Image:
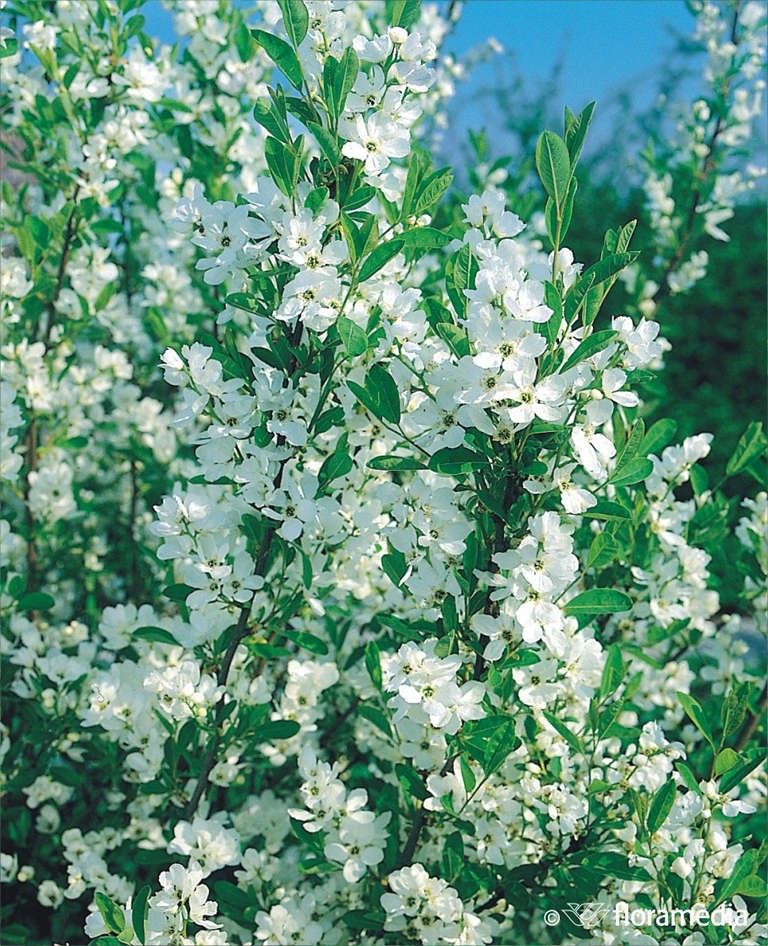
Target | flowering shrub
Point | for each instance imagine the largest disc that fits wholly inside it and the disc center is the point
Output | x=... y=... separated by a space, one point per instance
x=388 y=615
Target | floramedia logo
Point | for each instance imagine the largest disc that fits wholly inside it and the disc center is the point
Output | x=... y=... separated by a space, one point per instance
x=586 y=914
x=590 y=915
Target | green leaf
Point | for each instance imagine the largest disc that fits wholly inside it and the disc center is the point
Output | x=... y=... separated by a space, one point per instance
x=373 y=663
x=632 y=445
x=394 y=566
x=158 y=634
x=726 y=760
x=609 y=266
x=375 y=716
x=316 y=198
x=409 y=778
x=659 y=435
x=570 y=199
x=178 y=592
x=382 y=385
x=464 y=269
x=576 y=131
x=467 y=775
x=10 y=49
x=455 y=460
x=605 y=509
x=379 y=258
x=743 y=868
x=455 y=337
x=233 y=897
x=277 y=729
x=35 y=601
x=282 y=55
x=555 y=303
x=392 y=462
x=603 y=549
x=139 y=912
x=478 y=736
x=281 y=163
x=599 y=601
x=404 y=12
x=364 y=919
x=452 y=861
x=353 y=338
x=367 y=398
x=696 y=714
x=688 y=777
x=307 y=641
x=591 y=345
x=432 y=190
x=575 y=296
x=267 y=115
x=243 y=42
x=338 y=79
x=613 y=671
x=570 y=737
x=633 y=472
x=699 y=479
x=349 y=66
x=113 y=916
x=752 y=886
x=661 y=806
x=295 y=18
x=618 y=242
x=554 y=166
x=338 y=464
x=733 y=709
x=736 y=775
x=499 y=745
x=418 y=165
x=359 y=197
x=753 y=444
x=425 y=238
x=269 y=651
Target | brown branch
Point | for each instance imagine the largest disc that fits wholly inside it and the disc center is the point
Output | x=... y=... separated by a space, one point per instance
x=209 y=760
x=134 y=553
x=31 y=445
x=241 y=631
x=413 y=838
x=69 y=234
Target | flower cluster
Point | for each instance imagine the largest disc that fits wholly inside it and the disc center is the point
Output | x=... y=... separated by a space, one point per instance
x=427 y=910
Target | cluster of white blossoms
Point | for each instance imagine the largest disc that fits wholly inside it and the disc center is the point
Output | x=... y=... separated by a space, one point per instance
x=353 y=835
x=752 y=532
x=428 y=703
x=181 y=899
x=427 y=910
x=688 y=182
x=338 y=558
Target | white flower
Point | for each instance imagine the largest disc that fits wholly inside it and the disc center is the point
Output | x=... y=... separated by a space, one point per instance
x=376 y=140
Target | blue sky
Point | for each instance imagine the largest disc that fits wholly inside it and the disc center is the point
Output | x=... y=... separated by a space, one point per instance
x=607 y=42
x=604 y=46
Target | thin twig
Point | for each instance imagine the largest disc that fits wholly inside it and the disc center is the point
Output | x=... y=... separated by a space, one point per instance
x=69 y=234
x=706 y=169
